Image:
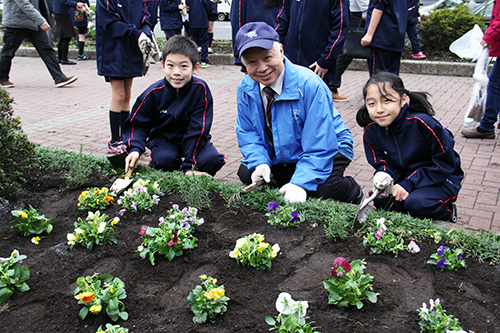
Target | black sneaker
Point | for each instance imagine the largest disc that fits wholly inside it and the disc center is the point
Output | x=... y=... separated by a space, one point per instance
x=359 y=198
x=453 y=217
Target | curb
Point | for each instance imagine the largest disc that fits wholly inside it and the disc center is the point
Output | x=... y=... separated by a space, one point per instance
x=425 y=67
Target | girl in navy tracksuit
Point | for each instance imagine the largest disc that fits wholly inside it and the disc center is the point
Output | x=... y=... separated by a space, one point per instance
x=314 y=33
x=80 y=22
x=386 y=28
x=198 y=25
x=244 y=11
x=403 y=142
x=119 y=25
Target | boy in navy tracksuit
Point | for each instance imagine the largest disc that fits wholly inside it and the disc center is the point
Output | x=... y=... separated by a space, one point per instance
x=386 y=28
x=198 y=25
x=314 y=33
x=173 y=116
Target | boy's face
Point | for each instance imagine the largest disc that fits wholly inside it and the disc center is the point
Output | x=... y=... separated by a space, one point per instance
x=264 y=66
x=178 y=69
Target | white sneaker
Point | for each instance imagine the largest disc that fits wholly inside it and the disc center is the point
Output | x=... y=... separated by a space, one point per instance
x=210 y=51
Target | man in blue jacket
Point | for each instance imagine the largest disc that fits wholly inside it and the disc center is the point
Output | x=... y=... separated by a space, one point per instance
x=313 y=34
x=287 y=125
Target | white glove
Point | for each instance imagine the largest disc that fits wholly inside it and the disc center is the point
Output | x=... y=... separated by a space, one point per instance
x=261 y=171
x=383 y=181
x=293 y=193
x=142 y=41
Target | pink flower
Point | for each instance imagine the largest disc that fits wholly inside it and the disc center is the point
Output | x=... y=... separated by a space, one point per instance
x=340 y=266
x=174 y=240
x=413 y=247
x=379 y=233
x=143 y=230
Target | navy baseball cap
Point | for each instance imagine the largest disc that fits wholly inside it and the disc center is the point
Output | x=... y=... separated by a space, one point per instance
x=255 y=34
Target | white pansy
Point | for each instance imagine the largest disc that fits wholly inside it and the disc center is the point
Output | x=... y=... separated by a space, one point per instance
x=101 y=227
x=240 y=242
x=78 y=231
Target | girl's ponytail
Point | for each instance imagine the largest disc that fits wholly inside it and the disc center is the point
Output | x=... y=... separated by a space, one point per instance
x=362 y=117
x=419 y=103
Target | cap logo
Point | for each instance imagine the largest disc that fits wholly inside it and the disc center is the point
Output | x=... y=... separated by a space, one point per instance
x=251 y=34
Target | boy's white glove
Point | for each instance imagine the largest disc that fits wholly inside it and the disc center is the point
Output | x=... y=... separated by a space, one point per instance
x=383 y=181
x=261 y=171
x=293 y=193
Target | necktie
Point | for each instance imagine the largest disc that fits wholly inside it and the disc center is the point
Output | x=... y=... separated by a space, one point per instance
x=267 y=112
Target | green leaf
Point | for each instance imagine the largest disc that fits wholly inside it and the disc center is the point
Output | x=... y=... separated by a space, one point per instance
x=5 y=294
x=270 y=321
x=372 y=297
x=123 y=315
x=23 y=287
x=83 y=312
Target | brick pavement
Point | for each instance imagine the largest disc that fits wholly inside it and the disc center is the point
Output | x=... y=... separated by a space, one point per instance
x=76 y=116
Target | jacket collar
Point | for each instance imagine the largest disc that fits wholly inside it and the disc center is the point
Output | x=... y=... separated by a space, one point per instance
x=398 y=124
x=183 y=90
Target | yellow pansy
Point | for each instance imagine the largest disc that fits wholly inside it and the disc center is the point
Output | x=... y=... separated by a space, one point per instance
x=115 y=221
x=85 y=297
x=240 y=242
x=262 y=247
x=22 y=214
x=214 y=294
x=235 y=253
x=35 y=240
x=95 y=309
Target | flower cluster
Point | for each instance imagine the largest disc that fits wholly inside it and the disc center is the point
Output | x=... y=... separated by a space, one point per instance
x=445 y=258
x=284 y=216
x=101 y=293
x=208 y=300
x=13 y=276
x=141 y=197
x=348 y=285
x=95 y=199
x=435 y=319
x=29 y=222
x=292 y=316
x=110 y=328
x=383 y=241
x=173 y=235
x=252 y=251
x=95 y=229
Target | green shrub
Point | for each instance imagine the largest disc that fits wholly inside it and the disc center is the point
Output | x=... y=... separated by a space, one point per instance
x=442 y=27
x=17 y=152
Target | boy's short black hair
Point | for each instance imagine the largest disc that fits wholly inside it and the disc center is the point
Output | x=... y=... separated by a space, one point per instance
x=179 y=44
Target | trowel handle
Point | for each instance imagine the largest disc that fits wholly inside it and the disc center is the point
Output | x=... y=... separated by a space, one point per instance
x=129 y=172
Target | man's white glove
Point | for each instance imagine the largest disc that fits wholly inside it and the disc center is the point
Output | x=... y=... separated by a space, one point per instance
x=261 y=171
x=293 y=193
x=383 y=181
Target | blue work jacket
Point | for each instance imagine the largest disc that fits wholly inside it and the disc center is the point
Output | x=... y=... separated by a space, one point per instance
x=180 y=116
x=307 y=129
x=119 y=23
x=416 y=150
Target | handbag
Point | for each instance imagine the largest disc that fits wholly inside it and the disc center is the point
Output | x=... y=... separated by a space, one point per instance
x=352 y=45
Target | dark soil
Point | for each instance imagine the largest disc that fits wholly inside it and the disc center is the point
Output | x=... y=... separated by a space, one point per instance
x=156 y=299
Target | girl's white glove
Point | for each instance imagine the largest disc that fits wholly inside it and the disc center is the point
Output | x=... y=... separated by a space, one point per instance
x=261 y=171
x=293 y=193
x=384 y=182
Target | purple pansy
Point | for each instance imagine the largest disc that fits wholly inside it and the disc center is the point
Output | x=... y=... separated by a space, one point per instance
x=441 y=262
x=143 y=230
x=272 y=205
x=295 y=217
x=441 y=250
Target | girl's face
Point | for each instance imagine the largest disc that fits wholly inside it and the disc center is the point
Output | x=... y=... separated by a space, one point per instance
x=384 y=106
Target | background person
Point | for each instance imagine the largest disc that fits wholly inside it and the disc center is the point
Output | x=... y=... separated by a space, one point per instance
x=170 y=17
x=287 y=125
x=80 y=21
x=63 y=11
x=411 y=29
x=121 y=26
x=28 y=19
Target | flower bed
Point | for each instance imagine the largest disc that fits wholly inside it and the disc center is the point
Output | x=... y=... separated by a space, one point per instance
x=157 y=295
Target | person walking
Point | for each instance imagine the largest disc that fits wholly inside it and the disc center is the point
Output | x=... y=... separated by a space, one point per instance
x=64 y=27
x=80 y=21
x=491 y=39
x=28 y=19
x=411 y=29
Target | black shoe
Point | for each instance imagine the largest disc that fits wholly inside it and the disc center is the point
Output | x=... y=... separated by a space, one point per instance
x=453 y=217
x=67 y=62
x=359 y=198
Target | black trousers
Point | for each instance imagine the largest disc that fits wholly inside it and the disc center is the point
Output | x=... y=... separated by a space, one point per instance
x=336 y=187
x=13 y=38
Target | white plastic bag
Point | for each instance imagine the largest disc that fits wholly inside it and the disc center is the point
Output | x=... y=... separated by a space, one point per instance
x=469 y=45
x=475 y=110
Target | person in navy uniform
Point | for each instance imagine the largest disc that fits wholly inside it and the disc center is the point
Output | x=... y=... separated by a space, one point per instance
x=173 y=117
x=409 y=148
x=170 y=17
x=385 y=33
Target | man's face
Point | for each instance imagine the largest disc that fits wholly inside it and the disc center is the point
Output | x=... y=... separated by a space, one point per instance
x=178 y=69
x=264 y=66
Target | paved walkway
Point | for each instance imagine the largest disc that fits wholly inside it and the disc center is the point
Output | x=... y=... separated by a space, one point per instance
x=77 y=116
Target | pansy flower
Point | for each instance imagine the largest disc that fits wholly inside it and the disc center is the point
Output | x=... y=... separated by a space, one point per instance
x=441 y=263
x=272 y=205
x=174 y=240
x=441 y=250
x=295 y=217
x=340 y=265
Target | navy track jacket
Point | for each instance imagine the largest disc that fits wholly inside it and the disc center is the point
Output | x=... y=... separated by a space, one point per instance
x=314 y=31
x=180 y=116
x=198 y=13
x=416 y=150
x=391 y=30
x=170 y=15
x=119 y=24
